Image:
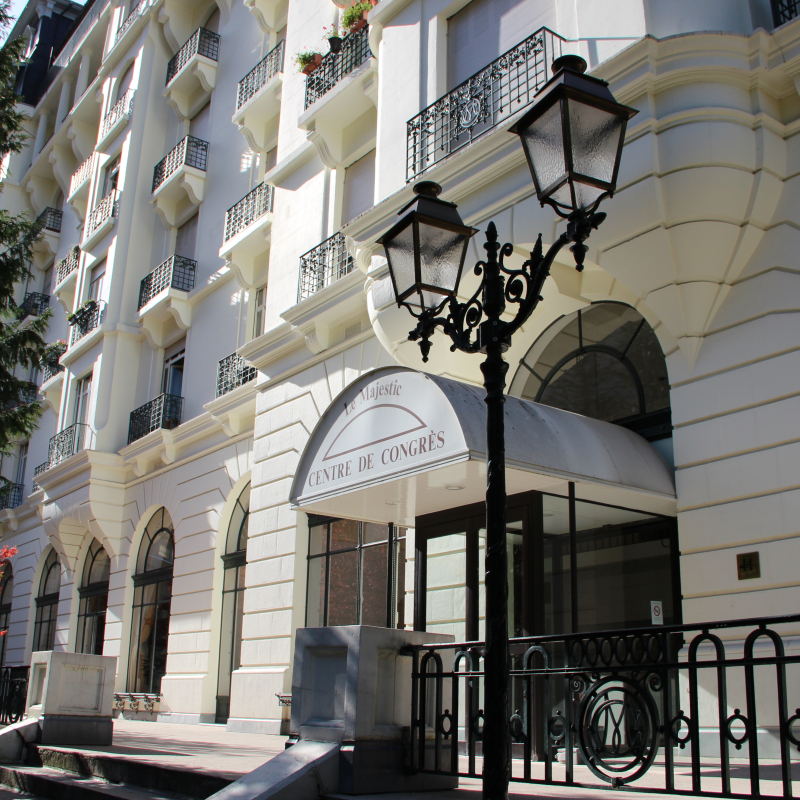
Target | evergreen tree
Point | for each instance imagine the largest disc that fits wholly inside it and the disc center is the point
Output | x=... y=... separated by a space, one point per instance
x=21 y=347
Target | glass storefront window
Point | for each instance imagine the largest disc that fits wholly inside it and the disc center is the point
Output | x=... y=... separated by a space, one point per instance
x=44 y=630
x=93 y=594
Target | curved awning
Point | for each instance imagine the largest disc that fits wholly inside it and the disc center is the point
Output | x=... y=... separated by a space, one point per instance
x=398 y=443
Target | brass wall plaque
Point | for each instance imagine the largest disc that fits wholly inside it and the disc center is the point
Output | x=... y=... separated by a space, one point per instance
x=748 y=566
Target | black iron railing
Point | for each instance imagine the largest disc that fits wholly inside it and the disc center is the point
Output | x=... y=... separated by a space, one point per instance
x=784 y=11
x=35 y=303
x=11 y=495
x=129 y=20
x=13 y=693
x=201 y=42
x=86 y=319
x=27 y=395
x=252 y=206
x=176 y=272
x=36 y=473
x=499 y=90
x=189 y=151
x=81 y=174
x=50 y=370
x=123 y=106
x=68 y=265
x=324 y=265
x=270 y=65
x=355 y=51
x=106 y=208
x=74 y=439
x=50 y=220
x=163 y=412
x=675 y=702
x=232 y=373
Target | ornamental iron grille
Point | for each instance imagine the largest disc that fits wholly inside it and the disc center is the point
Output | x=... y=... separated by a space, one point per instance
x=189 y=151
x=334 y=66
x=176 y=272
x=13 y=694
x=36 y=473
x=678 y=702
x=324 y=265
x=483 y=101
x=784 y=11
x=129 y=20
x=71 y=440
x=11 y=495
x=250 y=208
x=50 y=371
x=268 y=67
x=106 y=208
x=27 y=394
x=49 y=220
x=86 y=319
x=81 y=174
x=202 y=43
x=232 y=373
x=123 y=106
x=34 y=304
x=163 y=412
x=68 y=265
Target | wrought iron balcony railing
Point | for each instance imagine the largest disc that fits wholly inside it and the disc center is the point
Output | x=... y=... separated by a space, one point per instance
x=36 y=473
x=232 y=373
x=85 y=320
x=129 y=20
x=324 y=265
x=252 y=206
x=499 y=90
x=123 y=106
x=163 y=412
x=69 y=442
x=50 y=370
x=334 y=67
x=784 y=11
x=13 y=693
x=50 y=220
x=68 y=265
x=34 y=304
x=270 y=65
x=81 y=32
x=202 y=42
x=176 y=272
x=189 y=151
x=81 y=174
x=11 y=495
x=107 y=207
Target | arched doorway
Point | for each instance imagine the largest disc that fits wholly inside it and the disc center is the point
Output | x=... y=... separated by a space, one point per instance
x=93 y=593
x=44 y=629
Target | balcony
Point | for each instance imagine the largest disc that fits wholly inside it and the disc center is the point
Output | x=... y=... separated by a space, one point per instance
x=163 y=412
x=334 y=67
x=116 y=120
x=100 y=221
x=323 y=266
x=49 y=223
x=52 y=383
x=34 y=304
x=247 y=230
x=785 y=11
x=192 y=73
x=128 y=23
x=232 y=373
x=11 y=495
x=79 y=186
x=481 y=103
x=69 y=442
x=181 y=174
x=66 y=273
x=50 y=220
x=36 y=473
x=50 y=371
x=164 y=308
x=176 y=272
x=258 y=99
x=85 y=320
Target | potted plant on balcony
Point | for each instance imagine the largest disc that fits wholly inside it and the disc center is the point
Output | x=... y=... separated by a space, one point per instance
x=334 y=39
x=54 y=352
x=355 y=16
x=308 y=61
x=82 y=315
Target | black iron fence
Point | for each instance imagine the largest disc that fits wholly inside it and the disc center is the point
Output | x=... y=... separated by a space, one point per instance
x=189 y=151
x=35 y=303
x=233 y=372
x=85 y=320
x=81 y=174
x=708 y=709
x=13 y=693
x=11 y=495
x=334 y=66
x=163 y=412
x=68 y=265
x=324 y=265
x=72 y=440
x=483 y=101
x=129 y=20
x=36 y=473
x=784 y=11
x=202 y=42
x=107 y=207
x=123 y=106
x=176 y=272
x=269 y=66
x=50 y=220
x=252 y=206
x=51 y=370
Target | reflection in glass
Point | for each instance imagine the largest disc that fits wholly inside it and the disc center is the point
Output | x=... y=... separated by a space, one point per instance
x=44 y=629
x=93 y=605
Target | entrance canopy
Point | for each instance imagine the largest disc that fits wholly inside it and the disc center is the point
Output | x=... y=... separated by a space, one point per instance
x=397 y=444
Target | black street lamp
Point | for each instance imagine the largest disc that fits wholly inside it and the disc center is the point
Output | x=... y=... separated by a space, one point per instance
x=572 y=139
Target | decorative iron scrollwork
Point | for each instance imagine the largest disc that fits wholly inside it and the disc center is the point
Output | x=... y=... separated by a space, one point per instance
x=795 y=718
x=737 y=741
x=679 y=720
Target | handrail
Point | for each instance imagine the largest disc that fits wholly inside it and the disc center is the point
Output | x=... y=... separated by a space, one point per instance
x=177 y=272
x=233 y=372
x=202 y=42
x=269 y=66
x=68 y=264
x=335 y=66
x=189 y=151
x=129 y=20
x=123 y=106
x=251 y=207
x=324 y=265
x=163 y=411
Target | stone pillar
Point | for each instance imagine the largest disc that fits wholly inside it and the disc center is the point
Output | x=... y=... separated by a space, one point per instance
x=83 y=74
x=64 y=102
x=41 y=133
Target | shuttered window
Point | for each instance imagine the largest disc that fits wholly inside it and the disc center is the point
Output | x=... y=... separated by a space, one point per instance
x=186 y=240
x=359 y=187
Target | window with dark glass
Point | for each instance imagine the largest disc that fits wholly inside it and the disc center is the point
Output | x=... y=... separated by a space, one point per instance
x=230 y=641
x=152 y=594
x=6 y=595
x=93 y=594
x=356 y=574
x=44 y=629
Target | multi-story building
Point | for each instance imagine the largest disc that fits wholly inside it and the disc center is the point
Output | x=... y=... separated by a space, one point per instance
x=195 y=492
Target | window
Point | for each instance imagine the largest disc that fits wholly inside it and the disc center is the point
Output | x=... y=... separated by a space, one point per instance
x=152 y=595
x=96 y=281
x=44 y=629
x=93 y=594
x=125 y=82
x=6 y=595
x=359 y=187
x=261 y=305
x=111 y=177
x=356 y=574
x=199 y=125
x=22 y=463
x=172 y=381
x=83 y=395
x=47 y=281
x=186 y=240
x=230 y=641
x=271 y=159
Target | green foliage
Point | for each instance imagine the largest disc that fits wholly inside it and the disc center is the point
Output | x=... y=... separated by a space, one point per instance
x=305 y=58
x=353 y=14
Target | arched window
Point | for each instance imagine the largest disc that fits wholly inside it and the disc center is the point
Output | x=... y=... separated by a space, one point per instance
x=125 y=82
x=152 y=593
x=604 y=362
x=93 y=592
x=230 y=640
x=6 y=593
x=44 y=630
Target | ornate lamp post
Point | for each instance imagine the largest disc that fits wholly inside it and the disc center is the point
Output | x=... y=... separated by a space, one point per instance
x=572 y=139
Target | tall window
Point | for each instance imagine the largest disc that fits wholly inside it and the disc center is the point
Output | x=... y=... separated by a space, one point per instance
x=230 y=641
x=44 y=630
x=6 y=594
x=93 y=592
x=356 y=574
x=111 y=177
x=96 y=281
x=22 y=462
x=261 y=305
x=152 y=593
x=172 y=381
